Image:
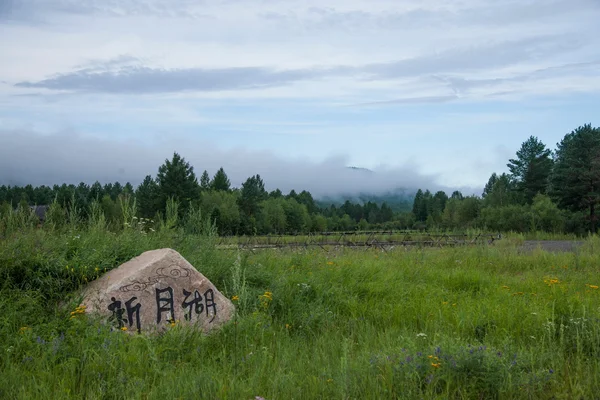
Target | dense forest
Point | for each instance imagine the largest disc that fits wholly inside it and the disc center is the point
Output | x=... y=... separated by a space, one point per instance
x=548 y=190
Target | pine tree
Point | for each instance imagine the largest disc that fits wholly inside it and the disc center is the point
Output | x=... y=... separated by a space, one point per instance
x=147 y=197
x=204 y=181
x=576 y=177
x=252 y=194
x=531 y=169
x=489 y=185
x=176 y=179
x=419 y=207
x=220 y=181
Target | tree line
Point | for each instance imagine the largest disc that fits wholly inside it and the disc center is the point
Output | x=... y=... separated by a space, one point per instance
x=544 y=190
x=249 y=209
x=551 y=190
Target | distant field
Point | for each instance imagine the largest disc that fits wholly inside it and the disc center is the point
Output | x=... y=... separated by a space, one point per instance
x=468 y=322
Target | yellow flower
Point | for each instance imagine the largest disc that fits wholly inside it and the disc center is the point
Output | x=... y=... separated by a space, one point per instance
x=288 y=326
x=329 y=262
x=444 y=302
x=592 y=286
x=124 y=328
x=329 y=380
x=235 y=298
x=505 y=287
x=434 y=365
x=23 y=329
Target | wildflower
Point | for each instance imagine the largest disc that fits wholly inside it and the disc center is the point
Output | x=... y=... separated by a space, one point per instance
x=124 y=328
x=592 y=286
x=329 y=262
x=329 y=380
x=444 y=302
x=96 y=269
x=423 y=335
x=288 y=326
x=434 y=365
x=551 y=281
x=505 y=287
x=268 y=295
x=23 y=329
x=235 y=298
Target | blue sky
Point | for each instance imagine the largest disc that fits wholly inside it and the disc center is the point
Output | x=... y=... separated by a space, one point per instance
x=432 y=94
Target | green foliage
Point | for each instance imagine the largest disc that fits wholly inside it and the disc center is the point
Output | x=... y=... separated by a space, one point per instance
x=147 y=196
x=204 y=181
x=176 y=179
x=251 y=195
x=531 y=169
x=576 y=175
x=220 y=181
x=56 y=216
x=499 y=191
x=508 y=202
x=296 y=216
x=483 y=322
x=223 y=210
x=273 y=217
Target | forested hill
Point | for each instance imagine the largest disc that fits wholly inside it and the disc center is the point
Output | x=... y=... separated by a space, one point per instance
x=399 y=200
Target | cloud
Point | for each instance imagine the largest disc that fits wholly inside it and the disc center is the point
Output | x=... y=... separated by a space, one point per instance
x=27 y=157
x=127 y=79
x=150 y=80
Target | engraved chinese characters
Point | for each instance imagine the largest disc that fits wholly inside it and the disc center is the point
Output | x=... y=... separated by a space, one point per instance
x=155 y=290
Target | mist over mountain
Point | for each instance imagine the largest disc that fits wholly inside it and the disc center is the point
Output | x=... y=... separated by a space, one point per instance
x=29 y=157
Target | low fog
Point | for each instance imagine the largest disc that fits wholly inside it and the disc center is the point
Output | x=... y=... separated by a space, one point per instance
x=28 y=157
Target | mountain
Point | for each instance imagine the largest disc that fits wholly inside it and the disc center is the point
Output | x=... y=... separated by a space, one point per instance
x=399 y=200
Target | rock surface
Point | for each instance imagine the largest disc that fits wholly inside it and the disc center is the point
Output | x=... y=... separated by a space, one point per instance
x=155 y=291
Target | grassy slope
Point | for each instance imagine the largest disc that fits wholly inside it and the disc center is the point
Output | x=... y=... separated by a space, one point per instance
x=356 y=324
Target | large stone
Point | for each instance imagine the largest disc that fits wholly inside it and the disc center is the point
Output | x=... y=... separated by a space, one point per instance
x=155 y=291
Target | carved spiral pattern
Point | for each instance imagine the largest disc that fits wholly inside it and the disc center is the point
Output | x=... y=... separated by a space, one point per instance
x=172 y=271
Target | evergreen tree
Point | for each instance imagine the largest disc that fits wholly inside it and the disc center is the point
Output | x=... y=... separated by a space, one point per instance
x=306 y=198
x=220 y=181
x=531 y=169
x=252 y=193
x=204 y=181
x=276 y=194
x=176 y=179
x=501 y=192
x=457 y=195
x=96 y=192
x=147 y=197
x=128 y=189
x=489 y=185
x=420 y=206
x=576 y=176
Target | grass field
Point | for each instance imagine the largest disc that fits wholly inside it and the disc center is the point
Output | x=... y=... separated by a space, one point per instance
x=479 y=322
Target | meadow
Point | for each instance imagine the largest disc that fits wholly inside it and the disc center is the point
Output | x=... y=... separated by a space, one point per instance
x=479 y=322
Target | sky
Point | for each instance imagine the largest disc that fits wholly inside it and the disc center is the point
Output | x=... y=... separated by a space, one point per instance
x=436 y=94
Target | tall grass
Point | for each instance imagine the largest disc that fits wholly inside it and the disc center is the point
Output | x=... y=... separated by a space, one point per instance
x=480 y=322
